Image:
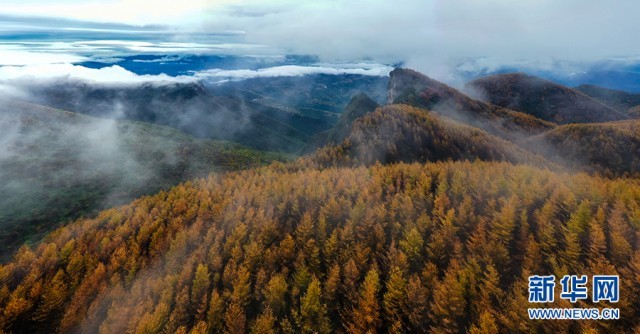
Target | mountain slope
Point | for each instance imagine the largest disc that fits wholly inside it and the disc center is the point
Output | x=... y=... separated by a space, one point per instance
x=446 y=247
x=359 y=105
x=57 y=165
x=313 y=95
x=541 y=98
x=609 y=148
x=413 y=88
x=397 y=133
x=190 y=108
x=616 y=99
x=634 y=112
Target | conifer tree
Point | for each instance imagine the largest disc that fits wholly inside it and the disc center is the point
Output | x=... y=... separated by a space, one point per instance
x=313 y=312
x=365 y=316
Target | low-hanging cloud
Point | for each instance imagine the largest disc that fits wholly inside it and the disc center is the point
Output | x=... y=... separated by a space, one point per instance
x=293 y=71
x=116 y=75
x=20 y=58
x=437 y=37
x=33 y=74
x=434 y=36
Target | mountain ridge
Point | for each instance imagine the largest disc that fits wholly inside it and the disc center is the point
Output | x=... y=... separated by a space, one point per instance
x=414 y=88
x=542 y=98
x=402 y=133
x=617 y=99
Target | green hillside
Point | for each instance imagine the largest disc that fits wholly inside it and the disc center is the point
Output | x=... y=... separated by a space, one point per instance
x=56 y=166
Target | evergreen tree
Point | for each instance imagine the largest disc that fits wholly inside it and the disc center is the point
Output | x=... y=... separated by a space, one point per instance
x=313 y=313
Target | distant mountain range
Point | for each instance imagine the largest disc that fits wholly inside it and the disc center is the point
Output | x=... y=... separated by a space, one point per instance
x=278 y=114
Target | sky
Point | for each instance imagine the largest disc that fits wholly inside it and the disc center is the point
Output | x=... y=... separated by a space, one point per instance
x=433 y=36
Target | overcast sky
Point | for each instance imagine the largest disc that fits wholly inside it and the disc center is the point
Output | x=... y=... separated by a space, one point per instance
x=425 y=34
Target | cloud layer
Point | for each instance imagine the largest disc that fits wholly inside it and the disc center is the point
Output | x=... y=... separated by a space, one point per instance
x=31 y=74
x=138 y=12
x=116 y=75
x=435 y=35
x=293 y=71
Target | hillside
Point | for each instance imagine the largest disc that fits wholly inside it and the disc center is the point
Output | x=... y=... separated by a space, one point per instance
x=413 y=88
x=541 y=98
x=616 y=99
x=57 y=165
x=396 y=133
x=444 y=247
x=359 y=105
x=634 y=112
x=609 y=148
x=190 y=108
x=313 y=95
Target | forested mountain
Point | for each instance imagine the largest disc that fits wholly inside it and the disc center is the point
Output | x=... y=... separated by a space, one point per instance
x=612 y=149
x=541 y=98
x=190 y=108
x=445 y=247
x=56 y=166
x=416 y=89
x=427 y=216
x=359 y=105
x=617 y=99
x=278 y=114
x=315 y=95
x=396 y=133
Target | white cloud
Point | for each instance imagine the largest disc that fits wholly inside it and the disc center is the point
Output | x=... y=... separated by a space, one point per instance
x=116 y=75
x=107 y=75
x=18 y=57
x=294 y=71
x=434 y=35
x=23 y=53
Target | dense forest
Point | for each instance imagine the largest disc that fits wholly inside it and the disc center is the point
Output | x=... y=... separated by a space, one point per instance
x=437 y=247
x=422 y=217
x=611 y=149
x=395 y=133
